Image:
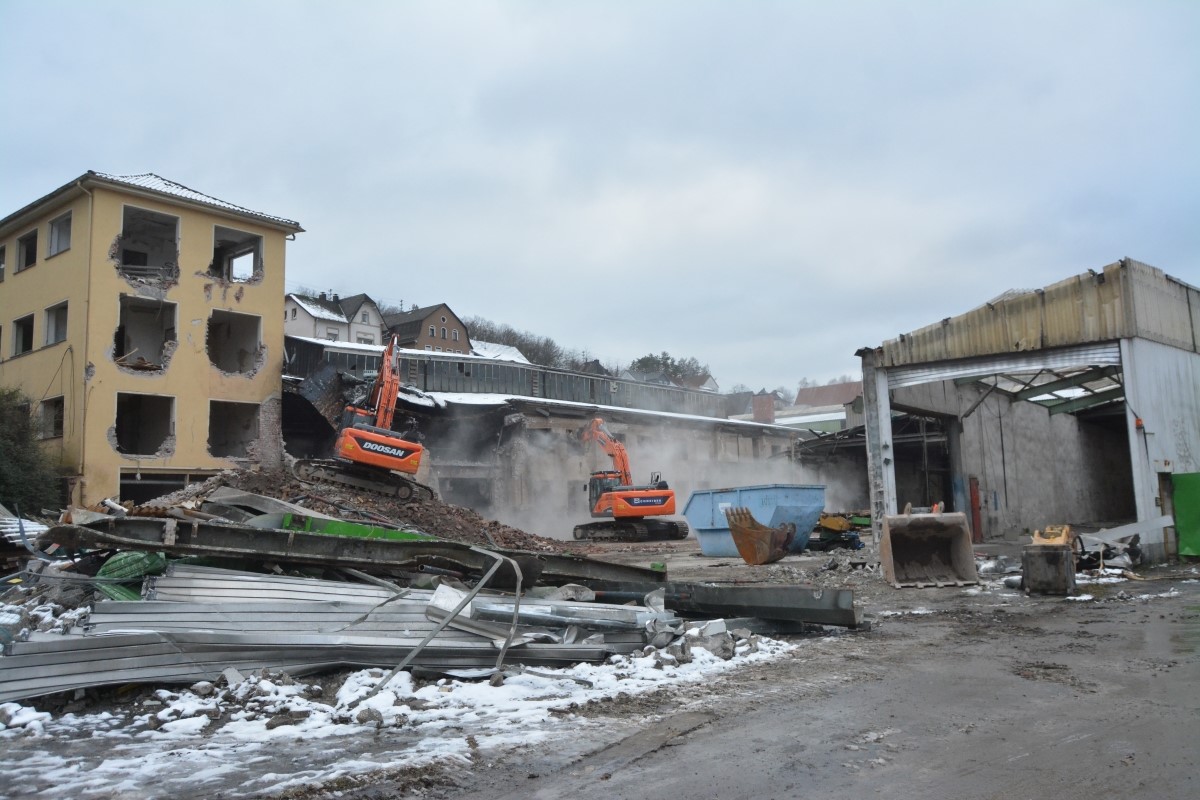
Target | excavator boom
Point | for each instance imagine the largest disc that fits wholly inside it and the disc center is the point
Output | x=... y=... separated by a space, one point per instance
x=630 y=513
x=368 y=454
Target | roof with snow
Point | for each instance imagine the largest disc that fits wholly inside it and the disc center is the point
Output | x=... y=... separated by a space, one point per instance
x=156 y=184
x=319 y=308
x=498 y=352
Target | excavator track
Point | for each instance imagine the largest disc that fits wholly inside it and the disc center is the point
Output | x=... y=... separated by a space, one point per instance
x=388 y=484
x=640 y=531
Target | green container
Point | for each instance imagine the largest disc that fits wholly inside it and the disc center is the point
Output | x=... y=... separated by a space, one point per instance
x=337 y=527
x=117 y=591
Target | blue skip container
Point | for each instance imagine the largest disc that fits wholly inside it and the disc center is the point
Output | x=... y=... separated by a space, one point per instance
x=771 y=504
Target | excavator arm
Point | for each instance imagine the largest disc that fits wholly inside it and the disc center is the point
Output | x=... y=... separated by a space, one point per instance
x=368 y=454
x=630 y=513
x=597 y=432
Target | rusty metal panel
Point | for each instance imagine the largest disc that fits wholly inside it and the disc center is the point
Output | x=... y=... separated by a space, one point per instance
x=1123 y=300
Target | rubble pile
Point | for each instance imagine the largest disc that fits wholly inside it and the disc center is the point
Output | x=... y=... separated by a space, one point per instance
x=443 y=520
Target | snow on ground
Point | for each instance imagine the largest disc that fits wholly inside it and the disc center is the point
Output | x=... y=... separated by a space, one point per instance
x=1100 y=576
x=269 y=733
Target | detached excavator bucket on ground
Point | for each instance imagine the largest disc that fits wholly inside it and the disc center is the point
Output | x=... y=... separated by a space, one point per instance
x=756 y=543
x=927 y=550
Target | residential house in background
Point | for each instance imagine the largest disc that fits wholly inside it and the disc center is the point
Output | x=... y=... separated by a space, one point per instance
x=434 y=328
x=354 y=319
x=142 y=319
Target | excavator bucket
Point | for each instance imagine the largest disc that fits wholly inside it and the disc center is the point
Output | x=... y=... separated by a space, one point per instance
x=756 y=543
x=926 y=550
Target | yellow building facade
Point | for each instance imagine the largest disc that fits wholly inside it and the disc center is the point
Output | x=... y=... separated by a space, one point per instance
x=144 y=322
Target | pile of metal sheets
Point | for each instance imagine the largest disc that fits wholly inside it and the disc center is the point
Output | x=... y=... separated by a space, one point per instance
x=203 y=621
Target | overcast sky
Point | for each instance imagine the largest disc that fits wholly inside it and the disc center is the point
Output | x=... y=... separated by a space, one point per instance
x=763 y=186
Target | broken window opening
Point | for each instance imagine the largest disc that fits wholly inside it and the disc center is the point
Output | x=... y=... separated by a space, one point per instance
x=232 y=429
x=144 y=423
x=27 y=251
x=142 y=487
x=237 y=256
x=22 y=335
x=53 y=410
x=148 y=247
x=56 y=324
x=145 y=335
x=234 y=341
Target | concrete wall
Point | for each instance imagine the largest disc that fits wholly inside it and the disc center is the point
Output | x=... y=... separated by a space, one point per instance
x=1162 y=386
x=539 y=480
x=1033 y=469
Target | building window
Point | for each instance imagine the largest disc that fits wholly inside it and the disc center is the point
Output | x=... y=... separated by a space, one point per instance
x=3 y=250
x=144 y=424
x=237 y=256
x=293 y=313
x=234 y=341
x=52 y=418
x=454 y=334
x=443 y=333
x=432 y=332
x=443 y=319
x=22 y=335
x=365 y=339
x=27 y=251
x=429 y=347
x=149 y=245
x=145 y=335
x=232 y=429
x=438 y=349
x=56 y=323
x=331 y=334
x=366 y=317
x=60 y=234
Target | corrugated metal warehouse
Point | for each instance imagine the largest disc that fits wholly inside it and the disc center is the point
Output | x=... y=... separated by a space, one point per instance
x=1077 y=403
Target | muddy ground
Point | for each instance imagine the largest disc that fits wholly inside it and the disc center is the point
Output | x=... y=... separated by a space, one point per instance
x=975 y=692
x=953 y=694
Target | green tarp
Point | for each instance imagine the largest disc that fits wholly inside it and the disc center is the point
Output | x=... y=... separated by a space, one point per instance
x=1186 y=490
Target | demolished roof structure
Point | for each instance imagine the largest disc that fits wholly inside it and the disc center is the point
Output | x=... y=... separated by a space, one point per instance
x=1079 y=401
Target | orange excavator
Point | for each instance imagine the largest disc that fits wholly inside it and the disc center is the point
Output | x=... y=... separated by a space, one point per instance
x=368 y=454
x=629 y=513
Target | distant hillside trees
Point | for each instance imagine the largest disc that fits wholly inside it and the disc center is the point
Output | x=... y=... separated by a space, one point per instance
x=664 y=362
x=539 y=349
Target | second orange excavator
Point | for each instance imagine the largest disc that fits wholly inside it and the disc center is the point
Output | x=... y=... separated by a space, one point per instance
x=629 y=513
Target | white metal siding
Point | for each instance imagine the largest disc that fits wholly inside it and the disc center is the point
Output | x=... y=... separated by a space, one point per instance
x=1091 y=355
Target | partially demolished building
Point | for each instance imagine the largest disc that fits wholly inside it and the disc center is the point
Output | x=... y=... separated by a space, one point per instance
x=134 y=308
x=1076 y=403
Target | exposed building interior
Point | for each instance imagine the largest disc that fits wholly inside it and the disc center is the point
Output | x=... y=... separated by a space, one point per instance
x=144 y=423
x=232 y=429
x=145 y=335
x=237 y=255
x=234 y=341
x=148 y=247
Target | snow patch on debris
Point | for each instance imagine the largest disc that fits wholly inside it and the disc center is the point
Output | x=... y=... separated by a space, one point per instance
x=1080 y=598
x=1100 y=576
x=268 y=733
x=919 y=611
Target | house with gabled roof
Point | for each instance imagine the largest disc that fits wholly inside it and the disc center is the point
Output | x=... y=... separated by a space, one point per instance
x=355 y=319
x=435 y=328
